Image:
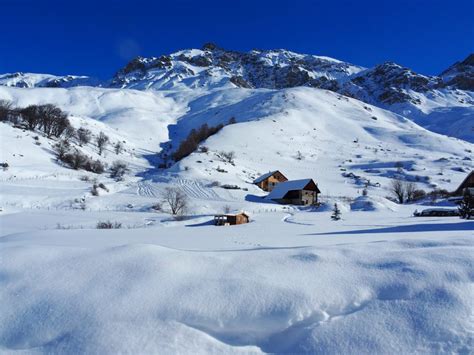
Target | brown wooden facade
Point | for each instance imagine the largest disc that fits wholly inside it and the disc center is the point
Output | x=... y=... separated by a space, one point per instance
x=268 y=181
x=296 y=192
x=231 y=219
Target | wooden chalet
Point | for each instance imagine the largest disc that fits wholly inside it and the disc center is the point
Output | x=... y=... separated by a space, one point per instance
x=295 y=192
x=269 y=180
x=467 y=183
x=231 y=219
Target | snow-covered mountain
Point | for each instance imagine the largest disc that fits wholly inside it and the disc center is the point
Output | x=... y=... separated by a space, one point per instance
x=29 y=80
x=442 y=103
x=291 y=281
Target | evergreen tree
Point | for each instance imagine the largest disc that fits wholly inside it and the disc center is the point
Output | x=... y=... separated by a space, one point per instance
x=336 y=213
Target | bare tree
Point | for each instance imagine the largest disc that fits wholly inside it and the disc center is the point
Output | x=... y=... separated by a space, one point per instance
x=61 y=149
x=118 y=170
x=410 y=190
x=227 y=157
x=83 y=135
x=118 y=148
x=31 y=117
x=102 y=140
x=6 y=108
x=398 y=189
x=176 y=200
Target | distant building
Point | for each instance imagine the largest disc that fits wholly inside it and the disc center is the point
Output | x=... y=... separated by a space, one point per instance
x=295 y=192
x=231 y=219
x=269 y=180
x=468 y=182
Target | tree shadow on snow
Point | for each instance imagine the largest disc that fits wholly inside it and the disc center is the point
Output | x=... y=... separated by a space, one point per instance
x=411 y=228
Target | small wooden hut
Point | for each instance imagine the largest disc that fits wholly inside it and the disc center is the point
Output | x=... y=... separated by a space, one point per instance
x=231 y=219
x=269 y=180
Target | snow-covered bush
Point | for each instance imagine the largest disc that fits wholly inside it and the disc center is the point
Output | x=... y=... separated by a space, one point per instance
x=118 y=170
x=83 y=135
x=227 y=157
x=108 y=225
x=101 y=140
x=61 y=149
x=118 y=148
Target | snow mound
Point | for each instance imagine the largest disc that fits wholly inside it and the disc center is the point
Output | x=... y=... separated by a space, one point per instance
x=372 y=203
x=383 y=297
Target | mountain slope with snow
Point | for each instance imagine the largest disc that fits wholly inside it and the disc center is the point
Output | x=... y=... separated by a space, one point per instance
x=428 y=100
x=30 y=80
x=292 y=280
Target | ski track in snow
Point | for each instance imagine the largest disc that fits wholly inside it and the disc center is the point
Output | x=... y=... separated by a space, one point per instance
x=191 y=188
x=197 y=190
x=147 y=189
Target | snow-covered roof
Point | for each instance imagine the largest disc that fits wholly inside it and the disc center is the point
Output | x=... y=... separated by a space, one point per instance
x=281 y=189
x=264 y=176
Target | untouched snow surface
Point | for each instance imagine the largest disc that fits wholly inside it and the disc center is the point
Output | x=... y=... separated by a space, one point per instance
x=294 y=282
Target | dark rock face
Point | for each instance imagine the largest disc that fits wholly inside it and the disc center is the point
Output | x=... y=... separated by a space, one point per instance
x=257 y=68
x=240 y=82
x=460 y=75
x=386 y=84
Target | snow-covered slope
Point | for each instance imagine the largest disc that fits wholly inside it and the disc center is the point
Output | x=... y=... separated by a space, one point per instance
x=443 y=104
x=343 y=143
x=29 y=80
x=428 y=100
x=292 y=280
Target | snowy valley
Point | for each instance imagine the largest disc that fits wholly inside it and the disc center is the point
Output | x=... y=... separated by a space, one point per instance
x=379 y=280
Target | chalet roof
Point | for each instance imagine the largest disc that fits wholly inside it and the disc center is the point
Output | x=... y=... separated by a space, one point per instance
x=264 y=176
x=461 y=186
x=233 y=214
x=281 y=189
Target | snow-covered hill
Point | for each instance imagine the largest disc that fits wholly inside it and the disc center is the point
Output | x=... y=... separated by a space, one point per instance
x=431 y=101
x=343 y=143
x=443 y=104
x=29 y=80
x=292 y=280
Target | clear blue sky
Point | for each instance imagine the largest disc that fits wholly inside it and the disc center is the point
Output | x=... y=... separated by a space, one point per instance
x=98 y=37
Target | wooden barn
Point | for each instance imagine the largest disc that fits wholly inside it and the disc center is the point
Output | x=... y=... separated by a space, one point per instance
x=269 y=180
x=295 y=192
x=231 y=219
x=468 y=182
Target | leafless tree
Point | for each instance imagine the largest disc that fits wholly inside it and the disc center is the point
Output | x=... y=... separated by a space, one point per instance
x=398 y=189
x=176 y=200
x=118 y=170
x=410 y=189
x=118 y=148
x=61 y=149
x=83 y=135
x=102 y=140
x=6 y=108
x=228 y=157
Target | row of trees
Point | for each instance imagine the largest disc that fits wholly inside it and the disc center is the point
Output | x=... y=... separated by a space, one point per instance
x=406 y=191
x=196 y=136
x=193 y=139
x=75 y=159
x=54 y=123
x=49 y=119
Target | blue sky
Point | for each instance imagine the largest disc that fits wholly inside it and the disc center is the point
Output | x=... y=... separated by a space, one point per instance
x=98 y=37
